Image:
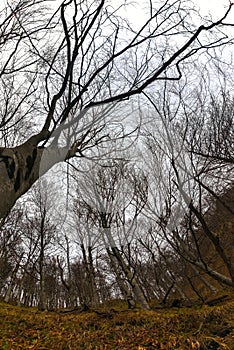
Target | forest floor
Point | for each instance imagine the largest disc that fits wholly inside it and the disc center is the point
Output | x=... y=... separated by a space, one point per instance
x=197 y=327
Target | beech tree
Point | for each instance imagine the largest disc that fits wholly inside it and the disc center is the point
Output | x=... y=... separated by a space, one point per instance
x=63 y=72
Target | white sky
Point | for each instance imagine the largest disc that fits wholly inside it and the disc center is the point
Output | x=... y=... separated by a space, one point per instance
x=214 y=7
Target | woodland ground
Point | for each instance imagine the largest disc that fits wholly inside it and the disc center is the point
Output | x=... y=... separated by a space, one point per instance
x=113 y=327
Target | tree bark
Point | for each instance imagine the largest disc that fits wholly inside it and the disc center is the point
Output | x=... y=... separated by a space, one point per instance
x=90 y=272
x=93 y=285
x=126 y=292
x=140 y=297
x=11 y=284
x=20 y=168
x=42 y=294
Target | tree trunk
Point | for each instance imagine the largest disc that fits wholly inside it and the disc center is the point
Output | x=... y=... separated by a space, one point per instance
x=13 y=277
x=140 y=297
x=20 y=167
x=126 y=292
x=42 y=295
x=95 y=298
x=21 y=286
x=89 y=268
x=204 y=280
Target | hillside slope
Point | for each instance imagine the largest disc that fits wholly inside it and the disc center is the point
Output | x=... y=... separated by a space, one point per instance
x=175 y=328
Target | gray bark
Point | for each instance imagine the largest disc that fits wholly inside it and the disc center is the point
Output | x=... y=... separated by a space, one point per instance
x=126 y=292
x=20 y=168
x=130 y=277
x=11 y=284
x=90 y=271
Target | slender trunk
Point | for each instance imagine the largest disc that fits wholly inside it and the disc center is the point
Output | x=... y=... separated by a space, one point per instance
x=185 y=253
x=90 y=273
x=42 y=295
x=126 y=292
x=68 y=262
x=12 y=281
x=216 y=275
x=140 y=297
x=204 y=280
x=167 y=293
x=208 y=233
x=87 y=293
x=95 y=299
x=67 y=283
x=21 y=285
x=195 y=289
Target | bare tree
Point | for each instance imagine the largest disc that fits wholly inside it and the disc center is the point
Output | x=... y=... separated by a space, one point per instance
x=112 y=196
x=41 y=216
x=61 y=70
x=193 y=183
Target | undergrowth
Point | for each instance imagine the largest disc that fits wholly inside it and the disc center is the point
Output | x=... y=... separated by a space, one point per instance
x=206 y=328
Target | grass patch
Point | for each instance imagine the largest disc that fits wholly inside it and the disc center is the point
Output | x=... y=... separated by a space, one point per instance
x=207 y=328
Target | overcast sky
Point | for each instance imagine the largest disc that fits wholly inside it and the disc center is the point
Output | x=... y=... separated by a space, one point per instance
x=215 y=7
